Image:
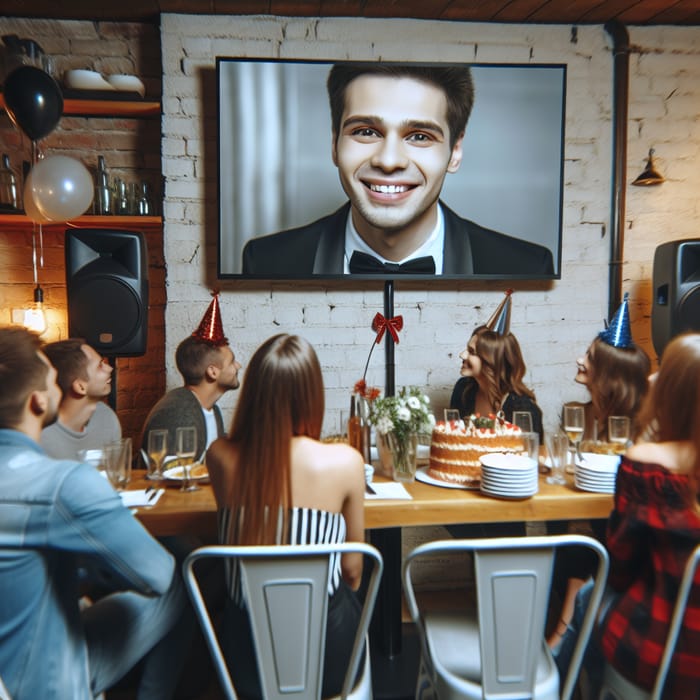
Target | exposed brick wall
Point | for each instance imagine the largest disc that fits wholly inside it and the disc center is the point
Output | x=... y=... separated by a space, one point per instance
x=131 y=148
x=554 y=322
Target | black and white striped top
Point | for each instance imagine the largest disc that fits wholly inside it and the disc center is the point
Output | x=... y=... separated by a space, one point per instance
x=305 y=526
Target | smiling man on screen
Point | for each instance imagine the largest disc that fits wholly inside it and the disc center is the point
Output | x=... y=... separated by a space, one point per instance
x=397 y=133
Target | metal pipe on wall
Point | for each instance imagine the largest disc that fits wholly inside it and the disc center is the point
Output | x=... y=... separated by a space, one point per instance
x=621 y=49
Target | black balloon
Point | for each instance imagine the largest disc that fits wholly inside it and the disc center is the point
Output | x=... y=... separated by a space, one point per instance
x=33 y=101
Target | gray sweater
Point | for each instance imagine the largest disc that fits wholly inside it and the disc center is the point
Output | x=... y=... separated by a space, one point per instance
x=180 y=408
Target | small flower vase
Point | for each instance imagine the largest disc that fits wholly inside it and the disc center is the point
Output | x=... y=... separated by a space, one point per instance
x=359 y=427
x=403 y=455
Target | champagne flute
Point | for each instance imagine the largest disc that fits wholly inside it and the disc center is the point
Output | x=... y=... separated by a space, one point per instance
x=186 y=449
x=157 y=449
x=574 y=420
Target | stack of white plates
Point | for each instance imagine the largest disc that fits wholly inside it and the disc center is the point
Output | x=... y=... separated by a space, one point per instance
x=596 y=472
x=508 y=476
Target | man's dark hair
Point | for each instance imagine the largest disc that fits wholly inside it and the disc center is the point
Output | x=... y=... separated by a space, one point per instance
x=70 y=361
x=192 y=358
x=454 y=81
x=22 y=371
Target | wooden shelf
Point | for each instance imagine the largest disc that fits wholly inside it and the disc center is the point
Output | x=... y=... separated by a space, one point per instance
x=106 y=108
x=20 y=221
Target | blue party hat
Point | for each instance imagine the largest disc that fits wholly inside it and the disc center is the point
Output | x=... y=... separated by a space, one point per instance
x=500 y=320
x=618 y=332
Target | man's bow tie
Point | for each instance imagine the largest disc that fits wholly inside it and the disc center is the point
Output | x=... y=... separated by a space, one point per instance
x=362 y=263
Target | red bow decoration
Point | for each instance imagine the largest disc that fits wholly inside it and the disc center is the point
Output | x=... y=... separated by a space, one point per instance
x=380 y=325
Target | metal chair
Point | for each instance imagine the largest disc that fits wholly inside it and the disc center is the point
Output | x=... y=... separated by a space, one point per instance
x=286 y=591
x=500 y=652
x=615 y=685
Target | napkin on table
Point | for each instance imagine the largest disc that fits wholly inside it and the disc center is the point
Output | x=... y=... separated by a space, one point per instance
x=390 y=489
x=139 y=497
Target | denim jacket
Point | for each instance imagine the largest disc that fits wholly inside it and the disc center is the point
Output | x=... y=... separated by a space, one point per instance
x=51 y=513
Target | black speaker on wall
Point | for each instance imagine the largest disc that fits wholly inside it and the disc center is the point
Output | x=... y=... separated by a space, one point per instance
x=107 y=287
x=676 y=289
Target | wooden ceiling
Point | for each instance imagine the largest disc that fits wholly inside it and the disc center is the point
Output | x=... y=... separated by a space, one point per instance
x=628 y=12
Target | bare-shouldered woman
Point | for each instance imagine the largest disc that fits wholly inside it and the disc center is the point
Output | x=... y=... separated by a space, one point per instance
x=276 y=483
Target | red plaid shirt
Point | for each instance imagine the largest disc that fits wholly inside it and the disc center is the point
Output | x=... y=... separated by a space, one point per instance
x=651 y=533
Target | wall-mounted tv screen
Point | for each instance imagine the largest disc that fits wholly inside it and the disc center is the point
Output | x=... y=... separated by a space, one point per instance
x=410 y=170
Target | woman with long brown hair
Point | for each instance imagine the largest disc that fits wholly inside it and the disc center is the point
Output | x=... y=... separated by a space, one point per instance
x=276 y=483
x=617 y=380
x=653 y=528
x=492 y=372
x=615 y=370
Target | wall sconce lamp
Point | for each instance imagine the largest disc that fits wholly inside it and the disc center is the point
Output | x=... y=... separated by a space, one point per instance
x=32 y=317
x=651 y=175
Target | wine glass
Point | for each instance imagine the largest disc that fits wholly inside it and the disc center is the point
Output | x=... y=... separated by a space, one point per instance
x=186 y=449
x=574 y=420
x=523 y=419
x=619 y=431
x=157 y=449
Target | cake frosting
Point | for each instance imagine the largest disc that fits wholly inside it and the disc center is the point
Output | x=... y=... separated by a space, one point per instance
x=456 y=446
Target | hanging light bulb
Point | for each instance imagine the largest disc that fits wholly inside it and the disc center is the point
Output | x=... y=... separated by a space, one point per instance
x=34 y=317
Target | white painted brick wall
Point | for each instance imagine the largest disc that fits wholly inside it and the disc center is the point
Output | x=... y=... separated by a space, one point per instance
x=553 y=322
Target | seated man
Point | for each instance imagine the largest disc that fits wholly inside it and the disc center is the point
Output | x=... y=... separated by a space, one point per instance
x=51 y=512
x=85 y=421
x=210 y=369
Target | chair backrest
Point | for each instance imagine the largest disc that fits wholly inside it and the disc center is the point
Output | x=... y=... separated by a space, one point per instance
x=286 y=591
x=684 y=589
x=513 y=581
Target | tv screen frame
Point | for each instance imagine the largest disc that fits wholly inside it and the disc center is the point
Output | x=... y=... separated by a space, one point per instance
x=275 y=169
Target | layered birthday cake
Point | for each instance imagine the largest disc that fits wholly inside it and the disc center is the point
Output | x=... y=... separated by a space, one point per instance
x=456 y=447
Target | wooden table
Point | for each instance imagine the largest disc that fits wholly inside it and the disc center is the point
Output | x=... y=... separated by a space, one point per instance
x=195 y=512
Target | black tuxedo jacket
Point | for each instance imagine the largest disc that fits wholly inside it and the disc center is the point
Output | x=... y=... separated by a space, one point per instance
x=319 y=247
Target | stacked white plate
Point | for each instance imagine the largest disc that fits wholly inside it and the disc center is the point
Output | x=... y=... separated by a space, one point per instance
x=596 y=472
x=508 y=476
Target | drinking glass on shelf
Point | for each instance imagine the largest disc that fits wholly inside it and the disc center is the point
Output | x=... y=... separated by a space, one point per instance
x=186 y=449
x=452 y=415
x=523 y=419
x=157 y=449
x=619 y=430
x=574 y=421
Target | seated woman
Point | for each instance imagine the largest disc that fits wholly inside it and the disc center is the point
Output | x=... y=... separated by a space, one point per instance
x=652 y=530
x=273 y=464
x=615 y=371
x=492 y=380
x=492 y=372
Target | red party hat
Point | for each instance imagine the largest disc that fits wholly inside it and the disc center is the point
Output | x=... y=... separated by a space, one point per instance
x=210 y=329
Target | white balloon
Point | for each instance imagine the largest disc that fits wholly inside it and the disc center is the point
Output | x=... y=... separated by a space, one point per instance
x=30 y=207
x=61 y=187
